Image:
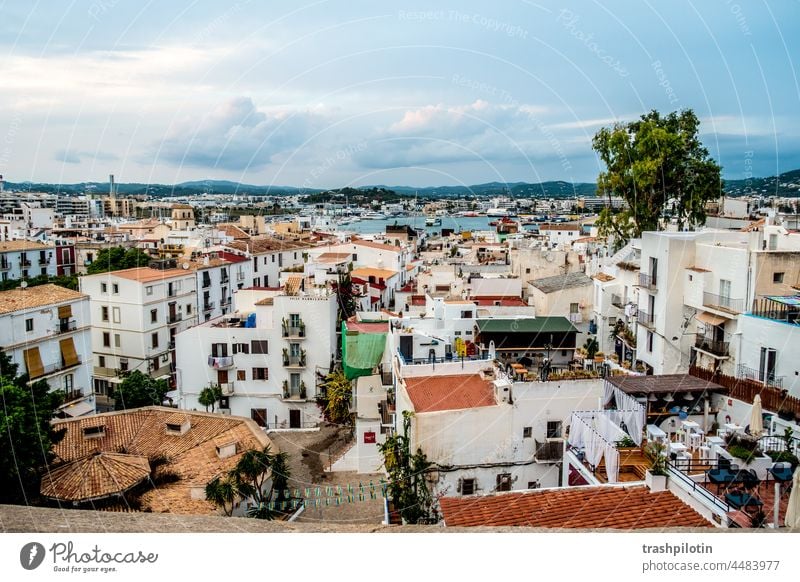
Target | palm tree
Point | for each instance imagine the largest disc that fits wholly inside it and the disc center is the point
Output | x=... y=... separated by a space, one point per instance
x=222 y=493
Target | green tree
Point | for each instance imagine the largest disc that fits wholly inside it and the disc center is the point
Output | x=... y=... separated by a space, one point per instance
x=347 y=297
x=221 y=491
x=137 y=390
x=116 y=258
x=650 y=162
x=408 y=488
x=26 y=434
x=209 y=396
x=335 y=398
x=591 y=346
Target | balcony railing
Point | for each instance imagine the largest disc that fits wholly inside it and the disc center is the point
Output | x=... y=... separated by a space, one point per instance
x=224 y=279
x=54 y=368
x=294 y=330
x=646 y=319
x=220 y=362
x=616 y=301
x=25 y=262
x=294 y=361
x=66 y=327
x=206 y=283
x=174 y=317
x=776 y=310
x=723 y=303
x=208 y=306
x=71 y=395
x=43 y=262
x=745 y=373
x=227 y=388
x=712 y=346
x=550 y=451
x=225 y=302
x=647 y=281
x=576 y=318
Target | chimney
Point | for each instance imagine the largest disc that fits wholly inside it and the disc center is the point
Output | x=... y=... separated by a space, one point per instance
x=111 y=187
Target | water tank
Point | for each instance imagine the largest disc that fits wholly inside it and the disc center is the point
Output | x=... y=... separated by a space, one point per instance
x=251 y=320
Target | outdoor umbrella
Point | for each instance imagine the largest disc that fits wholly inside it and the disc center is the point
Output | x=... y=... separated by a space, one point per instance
x=793 y=508
x=756 y=419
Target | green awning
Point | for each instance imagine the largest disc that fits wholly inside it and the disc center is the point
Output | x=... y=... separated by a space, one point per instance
x=535 y=325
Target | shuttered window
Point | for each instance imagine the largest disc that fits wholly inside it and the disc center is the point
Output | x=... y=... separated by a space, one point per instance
x=33 y=362
x=68 y=353
x=65 y=311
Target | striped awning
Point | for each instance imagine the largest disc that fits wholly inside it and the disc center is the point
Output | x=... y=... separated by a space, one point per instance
x=68 y=353
x=33 y=362
x=710 y=318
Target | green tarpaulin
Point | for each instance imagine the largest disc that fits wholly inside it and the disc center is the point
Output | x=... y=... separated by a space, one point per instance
x=361 y=352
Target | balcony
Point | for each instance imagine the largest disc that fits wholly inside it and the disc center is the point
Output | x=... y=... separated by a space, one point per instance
x=208 y=306
x=723 y=303
x=745 y=373
x=227 y=388
x=66 y=327
x=174 y=317
x=71 y=395
x=220 y=362
x=549 y=451
x=576 y=318
x=206 y=283
x=226 y=301
x=294 y=392
x=294 y=360
x=224 y=280
x=55 y=368
x=646 y=319
x=647 y=281
x=616 y=301
x=711 y=346
x=5 y=265
x=24 y=263
x=294 y=331
x=782 y=309
x=43 y=262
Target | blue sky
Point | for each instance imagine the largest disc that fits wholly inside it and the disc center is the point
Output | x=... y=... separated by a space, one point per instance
x=334 y=93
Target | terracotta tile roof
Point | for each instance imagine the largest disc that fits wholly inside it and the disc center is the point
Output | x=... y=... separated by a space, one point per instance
x=192 y=456
x=233 y=231
x=604 y=277
x=333 y=258
x=267 y=244
x=562 y=226
x=367 y=326
x=754 y=225
x=147 y=275
x=502 y=300
x=376 y=245
x=35 y=297
x=437 y=393
x=626 y=508
x=367 y=272
x=23 y=245
x=292 y=284
x=95 y=477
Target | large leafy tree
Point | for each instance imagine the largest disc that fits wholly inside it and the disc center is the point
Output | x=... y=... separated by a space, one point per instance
x=335 y=398
x=116 y=258
x=26 y=435
x=137 y=390
x=649 y=163
x=408 y=488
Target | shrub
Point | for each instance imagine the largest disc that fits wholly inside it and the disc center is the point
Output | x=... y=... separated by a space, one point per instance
x=784 y=457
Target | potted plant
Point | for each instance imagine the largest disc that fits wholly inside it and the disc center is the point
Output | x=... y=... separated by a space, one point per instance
x=285 y=357
x=591 y=347
x=286 y=388
x=599 y=356
x=656 y=476
x=302 y=357
x=303 y=389
x=625 y=442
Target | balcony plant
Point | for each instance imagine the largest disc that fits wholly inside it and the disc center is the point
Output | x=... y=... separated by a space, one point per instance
x=599 y=356
x=303 y=390
x=285 y=357
x=302 y=357
x=302 y=329
x=656 y=476
x=286 y=388
x=625 y=442
x=285 y=327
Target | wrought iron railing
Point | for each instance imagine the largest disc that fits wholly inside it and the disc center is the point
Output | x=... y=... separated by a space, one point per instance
x=723 y=303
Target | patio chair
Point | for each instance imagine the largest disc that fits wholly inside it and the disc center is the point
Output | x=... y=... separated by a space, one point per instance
x=719 y=477
x=781 y=473
x=742 y=500
x=748 y=479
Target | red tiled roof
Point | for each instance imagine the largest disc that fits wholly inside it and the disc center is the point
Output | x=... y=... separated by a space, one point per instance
x=437 y=393
x=626 y=508
x=231 y=257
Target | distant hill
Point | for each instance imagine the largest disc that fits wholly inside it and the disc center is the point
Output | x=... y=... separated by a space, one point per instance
x=786 y=184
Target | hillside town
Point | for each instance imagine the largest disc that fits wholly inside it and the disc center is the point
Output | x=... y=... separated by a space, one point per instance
x=443 y=362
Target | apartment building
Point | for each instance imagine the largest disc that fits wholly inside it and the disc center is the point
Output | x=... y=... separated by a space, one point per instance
x=24 y=259
x=568 y=295
x=219 y=275
x=269 y=256
x=266 y=357
x=46 y=332
x=136 y=314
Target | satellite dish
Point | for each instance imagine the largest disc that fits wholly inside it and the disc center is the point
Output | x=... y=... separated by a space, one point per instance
x=185 y=266
x=24 y=284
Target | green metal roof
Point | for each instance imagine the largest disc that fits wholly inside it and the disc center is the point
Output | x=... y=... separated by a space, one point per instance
x=557 y=324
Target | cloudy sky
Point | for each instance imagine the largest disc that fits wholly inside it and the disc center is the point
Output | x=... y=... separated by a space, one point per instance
x=334 y=93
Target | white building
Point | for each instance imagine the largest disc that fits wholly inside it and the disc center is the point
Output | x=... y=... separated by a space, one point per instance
x=219 y=276
x=270 y=256
x=266 y=357
x=23 y=259
x=45 y=331
x=136 y=314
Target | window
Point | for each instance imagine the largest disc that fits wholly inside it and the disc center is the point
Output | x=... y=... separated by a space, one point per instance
x=104 y=313
x=154 y=340
x=466 y=315
x=29 y=324
x=534 y=485
x=574 y=308
x=241 y=375
x=101 y=361
x=503 y=482
x=115 y=315
x=612 y=321
x=117 y=340
x=154 y=316
x=767 y=365
x=273 y=258
x=468 y=332
x=777 y=277
x=103 y=287
x=219 y=350
x=106 y=339
x=259 y=415
x=188 y=309
x=528 y=271
x=527 y=432
x=69 y=382
x=259 y=346
x=148 y=290
x=355 y=257
x=241 y=349
x=260 y=374
x=123 y=364
x=456 y=333
x=649 y=341
x=467 y=486
x=94 y=432
x=115 y=288
x=554 y=429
